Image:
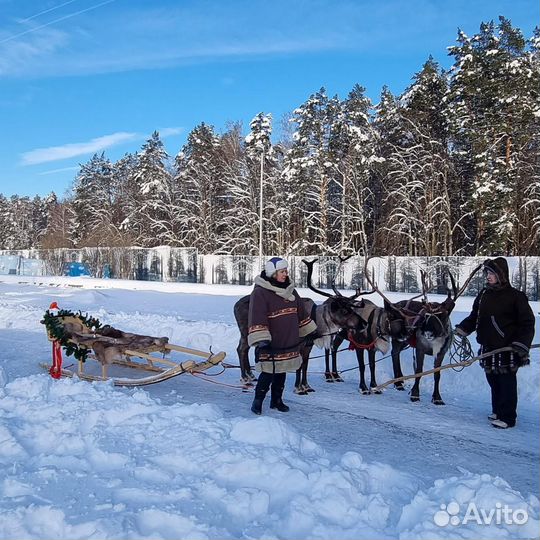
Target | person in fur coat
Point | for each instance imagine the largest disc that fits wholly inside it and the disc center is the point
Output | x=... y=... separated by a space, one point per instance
x=277 y=324
x=501 y=317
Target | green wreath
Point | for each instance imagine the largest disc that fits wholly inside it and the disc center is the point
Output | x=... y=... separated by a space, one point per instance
x=55 y=330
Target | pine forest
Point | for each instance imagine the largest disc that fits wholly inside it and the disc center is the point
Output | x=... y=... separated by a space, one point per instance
x=450 y=167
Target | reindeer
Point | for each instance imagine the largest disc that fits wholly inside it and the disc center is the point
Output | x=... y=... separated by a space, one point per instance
x=375 y=337
x=372 y=336
x=426 y=327
x=241 y=312
x=332 y=315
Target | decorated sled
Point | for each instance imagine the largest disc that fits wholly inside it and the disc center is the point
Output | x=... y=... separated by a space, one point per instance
x=85 y=338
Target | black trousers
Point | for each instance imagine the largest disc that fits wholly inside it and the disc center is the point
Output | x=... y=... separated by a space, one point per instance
x=504 y=396
x=275 y=380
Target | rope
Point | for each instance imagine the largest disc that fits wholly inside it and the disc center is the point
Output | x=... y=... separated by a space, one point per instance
x=323 y=355
x=460 y=351
x=378 y=360
x=460 y=356
x=229 y=366
x=215 y=374
x=206 y=379
x=464 y=363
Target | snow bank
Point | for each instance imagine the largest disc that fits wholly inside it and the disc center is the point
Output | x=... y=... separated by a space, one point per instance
x=476 y=506
x=177 y=460
x=83 y=460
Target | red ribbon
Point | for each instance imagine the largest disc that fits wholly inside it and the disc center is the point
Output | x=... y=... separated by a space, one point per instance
x=56 y=368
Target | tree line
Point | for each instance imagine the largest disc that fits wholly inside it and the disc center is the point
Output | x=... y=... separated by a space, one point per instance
x=449 y=167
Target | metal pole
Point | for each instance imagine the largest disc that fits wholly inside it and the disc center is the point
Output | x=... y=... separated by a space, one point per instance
x=261 y=213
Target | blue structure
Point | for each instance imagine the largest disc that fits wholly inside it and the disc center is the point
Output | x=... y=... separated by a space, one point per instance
x=107 y=272
x=76 y=269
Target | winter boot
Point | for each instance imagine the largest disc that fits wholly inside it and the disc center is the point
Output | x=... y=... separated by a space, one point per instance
x=279 y=405
x=256 y=406
x=501 y=424
x=260 y=392
x=276 y=394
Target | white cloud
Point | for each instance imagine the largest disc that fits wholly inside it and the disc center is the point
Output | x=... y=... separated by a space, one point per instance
x=56 y=171
x=124 y=36
x=21 y=56
x=152 y=37
x=169 y=131
x=57 y=153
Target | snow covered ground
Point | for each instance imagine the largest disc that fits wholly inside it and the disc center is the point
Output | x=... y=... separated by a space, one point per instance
x=187 y=459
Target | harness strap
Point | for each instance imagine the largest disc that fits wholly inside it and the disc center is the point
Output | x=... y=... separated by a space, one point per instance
x=419 y=315
x=353 y=344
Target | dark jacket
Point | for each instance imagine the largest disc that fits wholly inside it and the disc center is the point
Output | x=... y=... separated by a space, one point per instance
x=277 y=314
x=501 y=317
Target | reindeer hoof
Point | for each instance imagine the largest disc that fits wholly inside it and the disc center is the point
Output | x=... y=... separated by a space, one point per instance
x=438 y=401
x=328 y=376
x=378 y=392
x=364 y=391
x=415 y=398
x=300 y=391
x=399 y=387
x=248 y=379
x=337 y=378
x=309 y=389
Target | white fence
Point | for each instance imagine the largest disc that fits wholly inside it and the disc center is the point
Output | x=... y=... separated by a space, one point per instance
x=400 y=274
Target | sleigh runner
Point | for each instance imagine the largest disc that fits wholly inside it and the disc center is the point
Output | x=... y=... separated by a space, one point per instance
x=85 y=338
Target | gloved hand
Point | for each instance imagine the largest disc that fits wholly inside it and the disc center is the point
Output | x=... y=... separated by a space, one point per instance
x=520 y=351
x=460 y=332
x=261 y=346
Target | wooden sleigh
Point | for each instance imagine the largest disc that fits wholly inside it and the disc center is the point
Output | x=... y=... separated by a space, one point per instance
x=111 y=347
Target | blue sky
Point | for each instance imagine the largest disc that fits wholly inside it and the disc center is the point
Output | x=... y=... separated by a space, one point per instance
x=85 y=76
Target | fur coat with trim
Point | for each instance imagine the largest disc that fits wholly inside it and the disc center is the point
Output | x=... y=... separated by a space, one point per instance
x=277 y=315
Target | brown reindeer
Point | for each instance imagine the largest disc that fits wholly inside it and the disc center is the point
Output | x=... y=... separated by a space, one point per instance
x=371 y=335
x=426 y=327
x=374 y=337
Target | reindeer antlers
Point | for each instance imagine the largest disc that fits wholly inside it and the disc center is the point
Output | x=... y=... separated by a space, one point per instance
x=372 y=283
x=426 y=282
x=454 y=294
x=341 y=261
x=467 y=281
x=310 y=264
x=358 y=292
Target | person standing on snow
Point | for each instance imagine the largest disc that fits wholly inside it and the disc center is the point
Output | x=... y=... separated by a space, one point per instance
x=501 y=317
x=277 y=322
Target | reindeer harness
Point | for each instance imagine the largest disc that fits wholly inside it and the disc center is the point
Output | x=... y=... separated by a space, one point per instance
x=373 y=328
x=414 y=320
